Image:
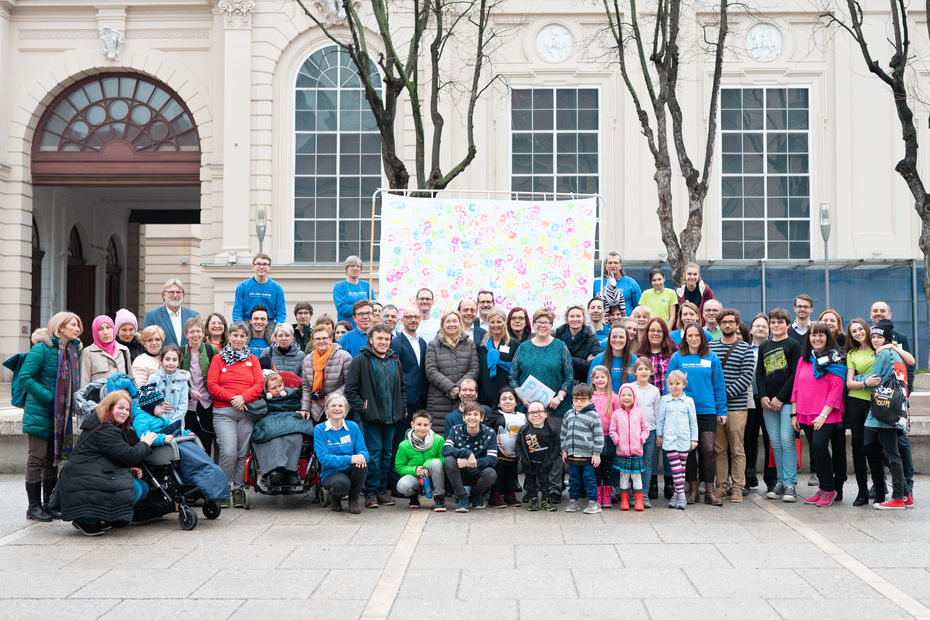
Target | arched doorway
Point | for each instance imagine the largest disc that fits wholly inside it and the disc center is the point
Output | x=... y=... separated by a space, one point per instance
x=112 y=153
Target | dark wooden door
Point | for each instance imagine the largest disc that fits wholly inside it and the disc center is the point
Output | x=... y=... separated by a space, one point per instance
x=36 y=302
x=81 y=296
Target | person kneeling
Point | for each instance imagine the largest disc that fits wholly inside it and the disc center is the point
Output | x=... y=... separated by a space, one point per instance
x=471 y=455
x=419 y=457
x=340 y=449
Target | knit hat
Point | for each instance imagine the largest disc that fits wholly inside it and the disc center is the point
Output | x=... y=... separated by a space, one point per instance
x=149 y=397
x=124 y=317
x=884 y=328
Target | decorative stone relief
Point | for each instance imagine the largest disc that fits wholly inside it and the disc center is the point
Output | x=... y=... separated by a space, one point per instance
x=111 y=43
x=554 y=43
x=764 y=42
x=333 y=11
x=237 y=12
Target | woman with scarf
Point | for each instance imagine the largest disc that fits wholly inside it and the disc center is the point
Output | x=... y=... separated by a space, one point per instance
x=324 y=372
x=817 y=407
x=494 y=356
x=106 y=356
x=450 y=357
x=284 y=352
x=235 y=379
x=126 y=326
x=581 y=341
x=50 y=375
x=197 y=357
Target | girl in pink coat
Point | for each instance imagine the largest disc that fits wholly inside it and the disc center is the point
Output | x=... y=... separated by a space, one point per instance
x=628 y=431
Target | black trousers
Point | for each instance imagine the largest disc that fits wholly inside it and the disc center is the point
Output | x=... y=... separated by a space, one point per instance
x=480 y=480
x=885 y=440
x=830 y=468
x=754 y=423
x=346 y=483
x=857 y=409
x=506 y=476
x=200 y=422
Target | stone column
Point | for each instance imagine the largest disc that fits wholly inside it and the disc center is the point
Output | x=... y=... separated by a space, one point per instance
x=237 y=142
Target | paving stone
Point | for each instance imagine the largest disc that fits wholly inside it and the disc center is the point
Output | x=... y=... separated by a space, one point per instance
x=439 y=557
x=216 y=557
x=704 y=532
x=710 y=608
x=607 y=533
x=912 y=581
x=492 y=534
x=558 y=609
x=261 y=584
x=119 y=558
x=34 y=581
x=593 y=556
x=751 y=582
x=337 y=556
x=890 y=554
x=868 y=609
x=478 y=584
x=158 y=609
x=672 y=555
x=347 y=584
x=442 y=585
x=144 y=583
x=301 y=609
x=56 y=556
x=295 y=534
x=836 y=583
x=405 y=609
x=761 y=555
x=635 y=583
x=43 y=609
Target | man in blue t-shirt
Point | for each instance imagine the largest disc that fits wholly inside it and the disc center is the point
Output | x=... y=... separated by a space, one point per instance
x=260 y=290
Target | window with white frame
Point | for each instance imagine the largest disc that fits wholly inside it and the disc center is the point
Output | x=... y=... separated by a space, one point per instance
x=765 y=173
x=337 y=160
x=554 y=140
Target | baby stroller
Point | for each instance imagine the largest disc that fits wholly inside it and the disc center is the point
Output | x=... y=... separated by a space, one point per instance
x=167 y=492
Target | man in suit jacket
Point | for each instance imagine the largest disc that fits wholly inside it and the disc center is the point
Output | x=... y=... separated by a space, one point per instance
x=172 y=316
x=411 y=350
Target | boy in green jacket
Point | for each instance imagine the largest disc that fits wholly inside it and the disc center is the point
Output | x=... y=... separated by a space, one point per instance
x=420 y=455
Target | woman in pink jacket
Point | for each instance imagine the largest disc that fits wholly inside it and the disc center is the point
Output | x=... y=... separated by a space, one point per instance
x=628 y=431
x=817 y=406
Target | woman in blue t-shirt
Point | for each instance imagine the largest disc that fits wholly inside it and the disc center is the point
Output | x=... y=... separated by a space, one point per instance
x=618 y=356
x=707 y=389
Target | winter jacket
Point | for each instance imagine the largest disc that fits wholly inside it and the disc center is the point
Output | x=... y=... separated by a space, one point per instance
x=98 y=364
x=582 y=433
x=445 y=369
x=143 y=423
x=144 y=368
x=282 y=418
x=290 y=361
x=175 y=387
x=361 y=389
x=483 y=444
x=95 y=483
x=241 y=379
x=334 y=448
x=629 y=430
x=38 y=376
x=584 y=343
x=677 y=423
x=334 y=379
x=408 y=458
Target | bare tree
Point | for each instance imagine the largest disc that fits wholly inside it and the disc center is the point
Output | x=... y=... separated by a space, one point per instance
x=655 y=63
x=442 y=25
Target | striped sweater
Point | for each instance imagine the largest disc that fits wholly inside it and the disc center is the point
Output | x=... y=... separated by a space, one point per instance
x=737 y=372
x=582 y=433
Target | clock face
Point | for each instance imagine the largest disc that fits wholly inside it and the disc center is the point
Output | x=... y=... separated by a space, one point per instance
x=764 y=42
x=554 y=43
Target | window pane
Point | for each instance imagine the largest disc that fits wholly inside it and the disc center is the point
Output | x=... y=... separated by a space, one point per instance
x=732 y=164
x=730 y=98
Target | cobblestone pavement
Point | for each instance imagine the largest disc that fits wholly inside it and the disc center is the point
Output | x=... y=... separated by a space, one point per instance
x=288 y=558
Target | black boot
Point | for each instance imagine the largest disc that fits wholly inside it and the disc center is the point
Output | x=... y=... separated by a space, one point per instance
x=48 y=486
x=669 y=489
x=654 y=487
x=35 y=510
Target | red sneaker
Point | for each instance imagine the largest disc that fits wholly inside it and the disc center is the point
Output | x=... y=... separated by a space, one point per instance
x=909 y=501
x=813 y=499
x=826 y=499
x=891 y=504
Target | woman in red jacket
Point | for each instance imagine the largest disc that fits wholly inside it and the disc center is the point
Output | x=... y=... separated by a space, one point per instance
x=235 y=379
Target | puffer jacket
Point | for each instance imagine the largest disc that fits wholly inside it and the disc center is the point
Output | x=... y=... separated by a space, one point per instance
x=445 y=369
x=334 y=379
x=98 y=364
x=584 y=343
x=95 y=483
x=629 y=429
x=38 y=376
x=291 y=361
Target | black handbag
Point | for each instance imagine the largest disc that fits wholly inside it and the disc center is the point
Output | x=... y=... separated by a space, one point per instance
x=889 y=402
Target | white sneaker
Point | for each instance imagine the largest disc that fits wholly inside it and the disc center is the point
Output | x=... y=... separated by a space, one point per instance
x=592 y=508
x=572 y=506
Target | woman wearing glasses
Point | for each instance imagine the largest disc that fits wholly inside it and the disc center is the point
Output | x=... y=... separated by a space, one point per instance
x=324 y=372
x=548 y=360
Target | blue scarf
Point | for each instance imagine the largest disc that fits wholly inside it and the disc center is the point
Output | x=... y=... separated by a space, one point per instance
x=831 y=362
x=494 y=359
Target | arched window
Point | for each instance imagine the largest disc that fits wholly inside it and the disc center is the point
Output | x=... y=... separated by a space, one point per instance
x=337 y=160
x=114 y=275
x=75 y=248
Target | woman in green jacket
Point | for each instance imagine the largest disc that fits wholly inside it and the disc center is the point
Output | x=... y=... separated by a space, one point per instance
x=420 y=455
x=50 y=375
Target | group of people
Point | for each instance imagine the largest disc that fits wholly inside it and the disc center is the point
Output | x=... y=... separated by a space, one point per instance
x=401 y=403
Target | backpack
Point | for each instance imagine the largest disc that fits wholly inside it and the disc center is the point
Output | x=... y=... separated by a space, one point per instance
x=889 y=403
x=15 y=364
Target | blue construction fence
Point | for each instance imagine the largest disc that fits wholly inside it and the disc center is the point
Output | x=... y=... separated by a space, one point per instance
x=853 y=288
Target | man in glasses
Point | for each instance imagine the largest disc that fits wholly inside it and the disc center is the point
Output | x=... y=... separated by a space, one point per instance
x=172 y=316
x=260 y=290
x=429 y=325
x=354 y=340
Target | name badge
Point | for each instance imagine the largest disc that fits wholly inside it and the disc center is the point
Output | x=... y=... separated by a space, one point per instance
x=705 y=363
x=345 y=439
x=823 y=360
x=504 y=348
x=248 y=364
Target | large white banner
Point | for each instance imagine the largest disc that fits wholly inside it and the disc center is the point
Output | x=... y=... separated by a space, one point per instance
x=530 y=254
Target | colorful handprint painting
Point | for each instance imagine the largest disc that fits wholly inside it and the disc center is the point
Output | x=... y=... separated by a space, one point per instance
x=531 y=254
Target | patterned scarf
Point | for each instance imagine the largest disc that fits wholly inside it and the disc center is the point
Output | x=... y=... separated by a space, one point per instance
x=831 y=361
x=67 y=383
x=612 y=295
x=231 y=356
x=420 y=445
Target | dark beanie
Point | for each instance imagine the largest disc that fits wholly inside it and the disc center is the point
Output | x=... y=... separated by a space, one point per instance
x=884 y=328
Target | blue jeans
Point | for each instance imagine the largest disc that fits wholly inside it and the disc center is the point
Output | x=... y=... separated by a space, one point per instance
x=781 y=437
x=379 y=439
x=139 y=490
x=650 y=458
x=578 y=475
